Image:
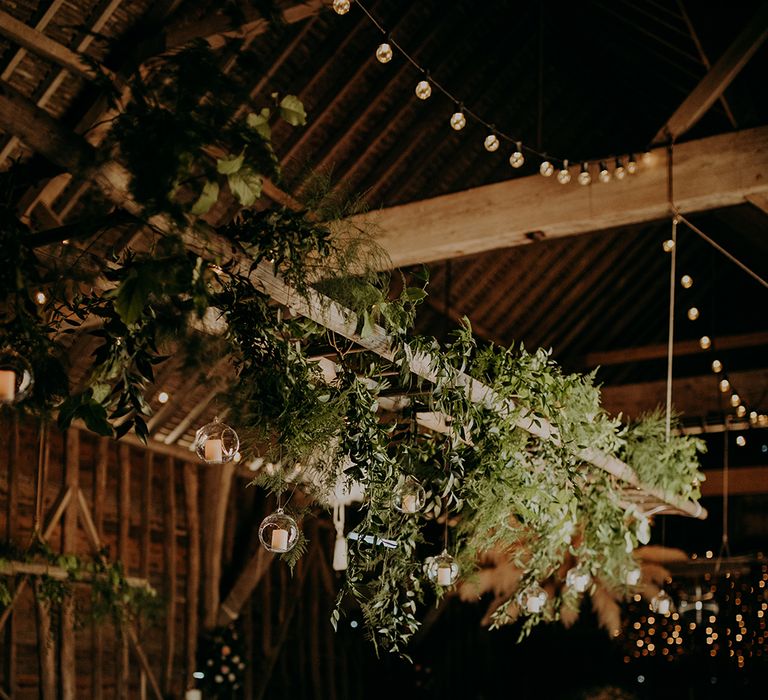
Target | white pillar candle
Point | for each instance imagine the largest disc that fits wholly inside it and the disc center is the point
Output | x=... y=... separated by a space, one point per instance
x=193 y=694
x=663 y=606
x=443 y=575
x=409 y=503
x=213 y=450
x=279 y=539
x=7 y=385
x=534 y=604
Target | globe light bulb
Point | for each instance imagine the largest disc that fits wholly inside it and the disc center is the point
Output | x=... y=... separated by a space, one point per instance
x=341 y=6
x=686 y=281
x=619 y=171
x=546 y=168
x=423 y=90
x=40 y=298
x=725 y=385
x=668 y=245
x=458 y=120
x=384 y=53
x=517 y=159
x=753 y=417
x=735 y=400
x=584 y=177
x=693 y=313
x=741 y=411
x=605 y=174
x=717 y=366
x=491 y=143
x=705 y=342
x=564 y=175
x=631 y=164
x=163 y=397
x=741 y=441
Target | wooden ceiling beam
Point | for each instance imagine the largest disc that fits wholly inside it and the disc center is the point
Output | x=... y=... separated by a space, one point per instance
x=710 y=173
x=719 y=77
x=742 y=481
x=681 y=347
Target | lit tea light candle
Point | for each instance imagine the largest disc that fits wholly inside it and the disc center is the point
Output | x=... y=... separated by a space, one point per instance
x=444 y=576
x=410 y=504
x=7 y=385
x=280 y=540
x=213 y=450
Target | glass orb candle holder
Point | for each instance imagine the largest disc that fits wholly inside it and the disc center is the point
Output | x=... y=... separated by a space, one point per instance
x=216 y=443
x=410 y=496
x=443 y=569
x=532 y=599
x=661 y=603
x=278 y=532
x=578 y=579
x=16 y=379
x=633 y=576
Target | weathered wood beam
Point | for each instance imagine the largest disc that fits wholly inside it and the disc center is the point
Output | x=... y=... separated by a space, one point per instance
x=719 y=77
x=46 y=648
x=68 y=672
x=682 y=347
x=691 y=396
x=169 y=555
x=246 y=583
x=709 y=173
x=742 y=481
x=193 y=570
x=113 y=179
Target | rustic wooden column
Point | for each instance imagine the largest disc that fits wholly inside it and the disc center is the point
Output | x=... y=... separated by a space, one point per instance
x=123 y=532
x=99 y=498
x=12 y=532
x=193 y=567
x=169 y=555
x=69 y=545
x=146 y=538
x=45 y=646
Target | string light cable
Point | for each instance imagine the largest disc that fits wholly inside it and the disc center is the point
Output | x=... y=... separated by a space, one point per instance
x=624 y=164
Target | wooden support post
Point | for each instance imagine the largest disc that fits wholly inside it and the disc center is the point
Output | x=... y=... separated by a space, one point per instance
x=68 y=671
x=169 y=552
x=193 y=571
x=218 y=481
x=12 y=533
x=46 y=648
x=146 y=537
x=249 y=578
x=123 y=532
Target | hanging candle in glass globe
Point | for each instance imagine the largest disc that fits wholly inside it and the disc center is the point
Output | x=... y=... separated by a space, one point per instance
x=661 y=603
x=216 y=443
x=633 y=576
x=578 y=579
x=410 y=496
x=532 y=599
x=16 y=379
x=443 y=569
x=278 y=532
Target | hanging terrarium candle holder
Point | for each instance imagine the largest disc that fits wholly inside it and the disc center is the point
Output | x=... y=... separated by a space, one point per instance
x=216 y=443
x=278 y=532
x=633 y=576
x=443 y=569
x=410 y=496
x=16 y=379
x=532 y=599
x=661 y=603
x=578 y=579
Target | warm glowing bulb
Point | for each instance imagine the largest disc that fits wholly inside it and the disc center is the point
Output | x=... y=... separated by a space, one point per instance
x=668 y=245
x=564 y=175
x=40 y=298
x=423 y=90
x=735 y=400
x=693 y=313
x=717 y=366
x=584 y=177
x=741 y=441
x=491 y=143
x=753 y=416
x=631 y=165
x=741 y=411
x=458 y=121
x=384 y=53
x=163 y=397
x=605 y=175
x=546 y=168
x=648 y=157
x=705 y=342
x=620 y=172
x=686 y=281
x=725 y=385
x=517 y=159
x=341 y=6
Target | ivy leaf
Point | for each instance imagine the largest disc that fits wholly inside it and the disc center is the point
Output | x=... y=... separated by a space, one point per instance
x=260 y=123
x=207 y=198
x=292 y=111
x=228 y=166
x=246 y=186
x=133 y=295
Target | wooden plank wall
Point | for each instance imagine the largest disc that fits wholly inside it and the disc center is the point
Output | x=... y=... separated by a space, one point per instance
x=141 y=514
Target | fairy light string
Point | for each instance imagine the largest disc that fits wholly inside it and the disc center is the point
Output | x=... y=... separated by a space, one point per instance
x=624 y=164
